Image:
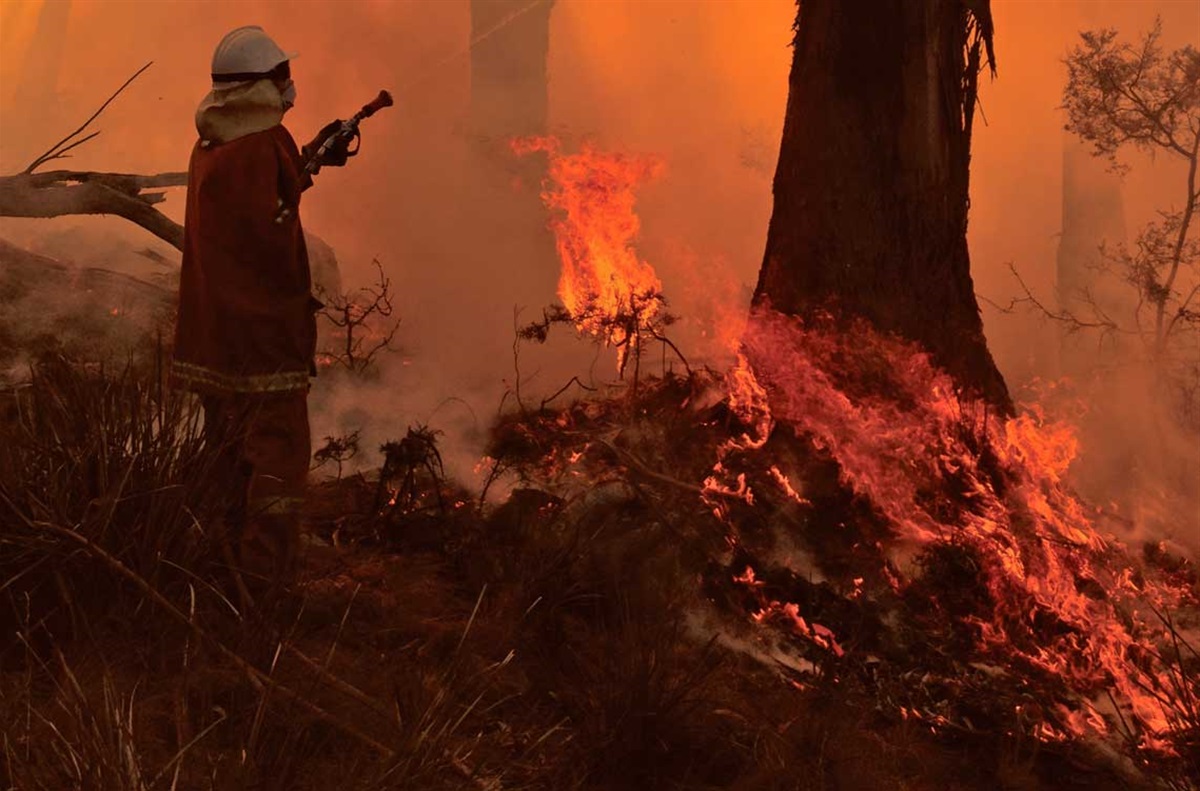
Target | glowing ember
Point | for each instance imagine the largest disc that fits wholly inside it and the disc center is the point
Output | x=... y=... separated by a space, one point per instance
x=715 y=489
x=789 y=613
x=749 y=404
x=748 y=401
x=786 y=485
x=606 y=288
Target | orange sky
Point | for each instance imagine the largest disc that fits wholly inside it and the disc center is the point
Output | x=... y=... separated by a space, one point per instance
x=701 y=83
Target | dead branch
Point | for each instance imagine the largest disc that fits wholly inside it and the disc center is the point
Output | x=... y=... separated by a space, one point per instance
x=354 y=315
x=573 y=381
x=125 y=182
x=57 y=150
x=338 y=449
x=61 y=193
x=670 y=344
x=1101 y=320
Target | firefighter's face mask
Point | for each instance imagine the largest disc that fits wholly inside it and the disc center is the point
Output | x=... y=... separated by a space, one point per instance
x=282 y=77
x=288 y=91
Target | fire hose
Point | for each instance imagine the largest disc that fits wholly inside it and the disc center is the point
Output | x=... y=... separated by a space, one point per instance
x=332 y=145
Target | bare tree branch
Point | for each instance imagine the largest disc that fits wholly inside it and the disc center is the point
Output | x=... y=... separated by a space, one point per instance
x=357 y=315
x=1101 y=320
x=56 y=151
x=64 y=192
x=126 y=182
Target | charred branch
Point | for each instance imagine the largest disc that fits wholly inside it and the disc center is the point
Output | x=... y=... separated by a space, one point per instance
x=339 y=450
x=355 y=316
x=574 y=380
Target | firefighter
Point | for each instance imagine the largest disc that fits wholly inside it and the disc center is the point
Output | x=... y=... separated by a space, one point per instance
x=246 y=332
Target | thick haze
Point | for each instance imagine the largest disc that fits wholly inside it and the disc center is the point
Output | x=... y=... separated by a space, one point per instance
x=700 y=84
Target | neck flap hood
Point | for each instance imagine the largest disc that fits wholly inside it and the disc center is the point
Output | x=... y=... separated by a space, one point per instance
x=238 y=110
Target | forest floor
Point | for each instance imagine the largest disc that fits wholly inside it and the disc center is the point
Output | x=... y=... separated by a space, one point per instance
x=598 y=629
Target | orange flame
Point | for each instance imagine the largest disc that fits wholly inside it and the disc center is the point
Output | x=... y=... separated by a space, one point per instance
x=603 y=280
x=900 y=433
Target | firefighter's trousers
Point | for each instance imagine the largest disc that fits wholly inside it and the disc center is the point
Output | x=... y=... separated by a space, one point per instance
x=263 y=444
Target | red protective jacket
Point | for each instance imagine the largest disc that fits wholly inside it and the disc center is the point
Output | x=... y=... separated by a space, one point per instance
x=246 y=313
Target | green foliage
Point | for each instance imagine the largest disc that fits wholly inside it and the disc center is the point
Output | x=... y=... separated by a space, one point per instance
x=1138 y=96
x=1122 y=94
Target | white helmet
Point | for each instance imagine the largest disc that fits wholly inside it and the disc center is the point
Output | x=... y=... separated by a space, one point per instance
x=247 y=53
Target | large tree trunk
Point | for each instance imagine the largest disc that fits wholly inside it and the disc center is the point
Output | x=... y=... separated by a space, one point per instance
x=871 y=190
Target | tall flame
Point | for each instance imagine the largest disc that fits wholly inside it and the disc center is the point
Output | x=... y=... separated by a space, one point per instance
x=604 y=284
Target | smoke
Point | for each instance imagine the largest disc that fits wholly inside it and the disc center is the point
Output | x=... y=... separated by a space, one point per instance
x=1140 y=458
x=462 y=234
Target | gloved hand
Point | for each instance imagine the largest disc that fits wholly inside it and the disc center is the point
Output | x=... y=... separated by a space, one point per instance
x=337 y=154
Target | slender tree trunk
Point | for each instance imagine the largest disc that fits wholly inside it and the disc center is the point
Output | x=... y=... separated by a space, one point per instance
x=871 y=190
x=32 y=106
x=509 y=99
x=509 y=84
x=37 y=86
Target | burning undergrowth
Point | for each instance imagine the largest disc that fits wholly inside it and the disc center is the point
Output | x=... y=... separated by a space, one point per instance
x=820 y=569
x=681 y=592
x=548 y=642
x=1048 y=594
x=853 y=521
x=608 y=292
x=856 y=505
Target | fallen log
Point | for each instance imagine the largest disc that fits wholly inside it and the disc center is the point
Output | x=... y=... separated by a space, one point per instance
x=59 y=193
